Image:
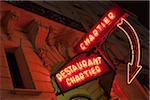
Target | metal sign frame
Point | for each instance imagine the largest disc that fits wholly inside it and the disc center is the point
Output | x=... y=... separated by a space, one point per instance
x=105 y=73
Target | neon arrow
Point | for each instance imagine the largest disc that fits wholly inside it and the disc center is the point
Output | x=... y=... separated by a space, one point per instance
x=133 y=67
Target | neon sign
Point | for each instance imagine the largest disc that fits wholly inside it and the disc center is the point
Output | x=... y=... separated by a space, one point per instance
x=80 y=70
x=104 y=27
x=101 y=30
x=133 y=67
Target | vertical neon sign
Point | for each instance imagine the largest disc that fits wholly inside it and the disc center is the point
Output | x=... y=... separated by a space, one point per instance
x=101 y=30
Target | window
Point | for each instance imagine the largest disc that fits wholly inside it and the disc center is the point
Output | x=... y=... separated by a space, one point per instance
x=21 y=77
x=14 y=70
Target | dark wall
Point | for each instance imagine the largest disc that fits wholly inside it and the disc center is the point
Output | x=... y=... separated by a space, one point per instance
x=139 y=8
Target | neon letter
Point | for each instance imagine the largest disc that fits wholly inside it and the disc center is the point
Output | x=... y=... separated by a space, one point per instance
x=74 y=68
x=77 y=78
x=84 y=63
x=99 y=27
x=68 y=82
x=79 y=65
x=90 y=63
x=59 y=77
x=99 y=59
x=95 y=33
x=67 y=71
x=82 y=46
x=81 y=76
x=87 y=42
x=86 y=73
x=91 y=37
x=103 y=24
x=63 y=73
x=111 y=15
x=95 y=61
x=106 y=20
x=69 y=67
x=97 y=68
x=93 y=70
x=72 y=79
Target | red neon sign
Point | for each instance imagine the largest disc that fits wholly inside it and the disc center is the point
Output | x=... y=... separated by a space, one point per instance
x=133 y=67
x=80 y=70
x=100 y=31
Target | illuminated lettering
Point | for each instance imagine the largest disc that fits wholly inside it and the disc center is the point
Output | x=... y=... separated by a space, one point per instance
x=106 y=20
x=63 y=73
x=82 y=46
x=84 y=63
x=90 y=72
x=77 y=78
x=91 y=37
x=80 y=65
x=90 y=63
x=86 y=73
x=95 y=33
x=87 y=42
x=67 y=71
x=93 y=70
x=99 y=28
x=68 y=81
x=95 y=61
x=80 y=71
x=111 y=15
x=81 y=76
x=74 y=68
x=59 y=77
x=97 y=68
x=72 y=79
x=99 y=59
x=69 y=67
x=103 y=24
x=84 y=68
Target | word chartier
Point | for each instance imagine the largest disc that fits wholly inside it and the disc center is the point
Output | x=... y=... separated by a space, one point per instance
x=80 y=71
x=100 y=30
x=97 y=31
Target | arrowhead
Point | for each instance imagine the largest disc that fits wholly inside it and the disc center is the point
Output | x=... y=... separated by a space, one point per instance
x=132 y=71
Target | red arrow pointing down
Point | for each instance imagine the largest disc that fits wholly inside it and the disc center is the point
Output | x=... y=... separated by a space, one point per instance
x=133 y=67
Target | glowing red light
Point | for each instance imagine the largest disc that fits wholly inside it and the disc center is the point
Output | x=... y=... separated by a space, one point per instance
x=80 y=70
x=100 y=30
x=97 y=31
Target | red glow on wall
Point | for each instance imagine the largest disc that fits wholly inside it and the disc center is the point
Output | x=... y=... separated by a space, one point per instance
x=100 y=31
x=80 y=70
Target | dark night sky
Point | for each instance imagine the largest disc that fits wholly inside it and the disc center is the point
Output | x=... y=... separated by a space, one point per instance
x=139 y=8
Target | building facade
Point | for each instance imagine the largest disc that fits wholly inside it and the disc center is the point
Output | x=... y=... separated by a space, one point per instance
x=35 y=43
